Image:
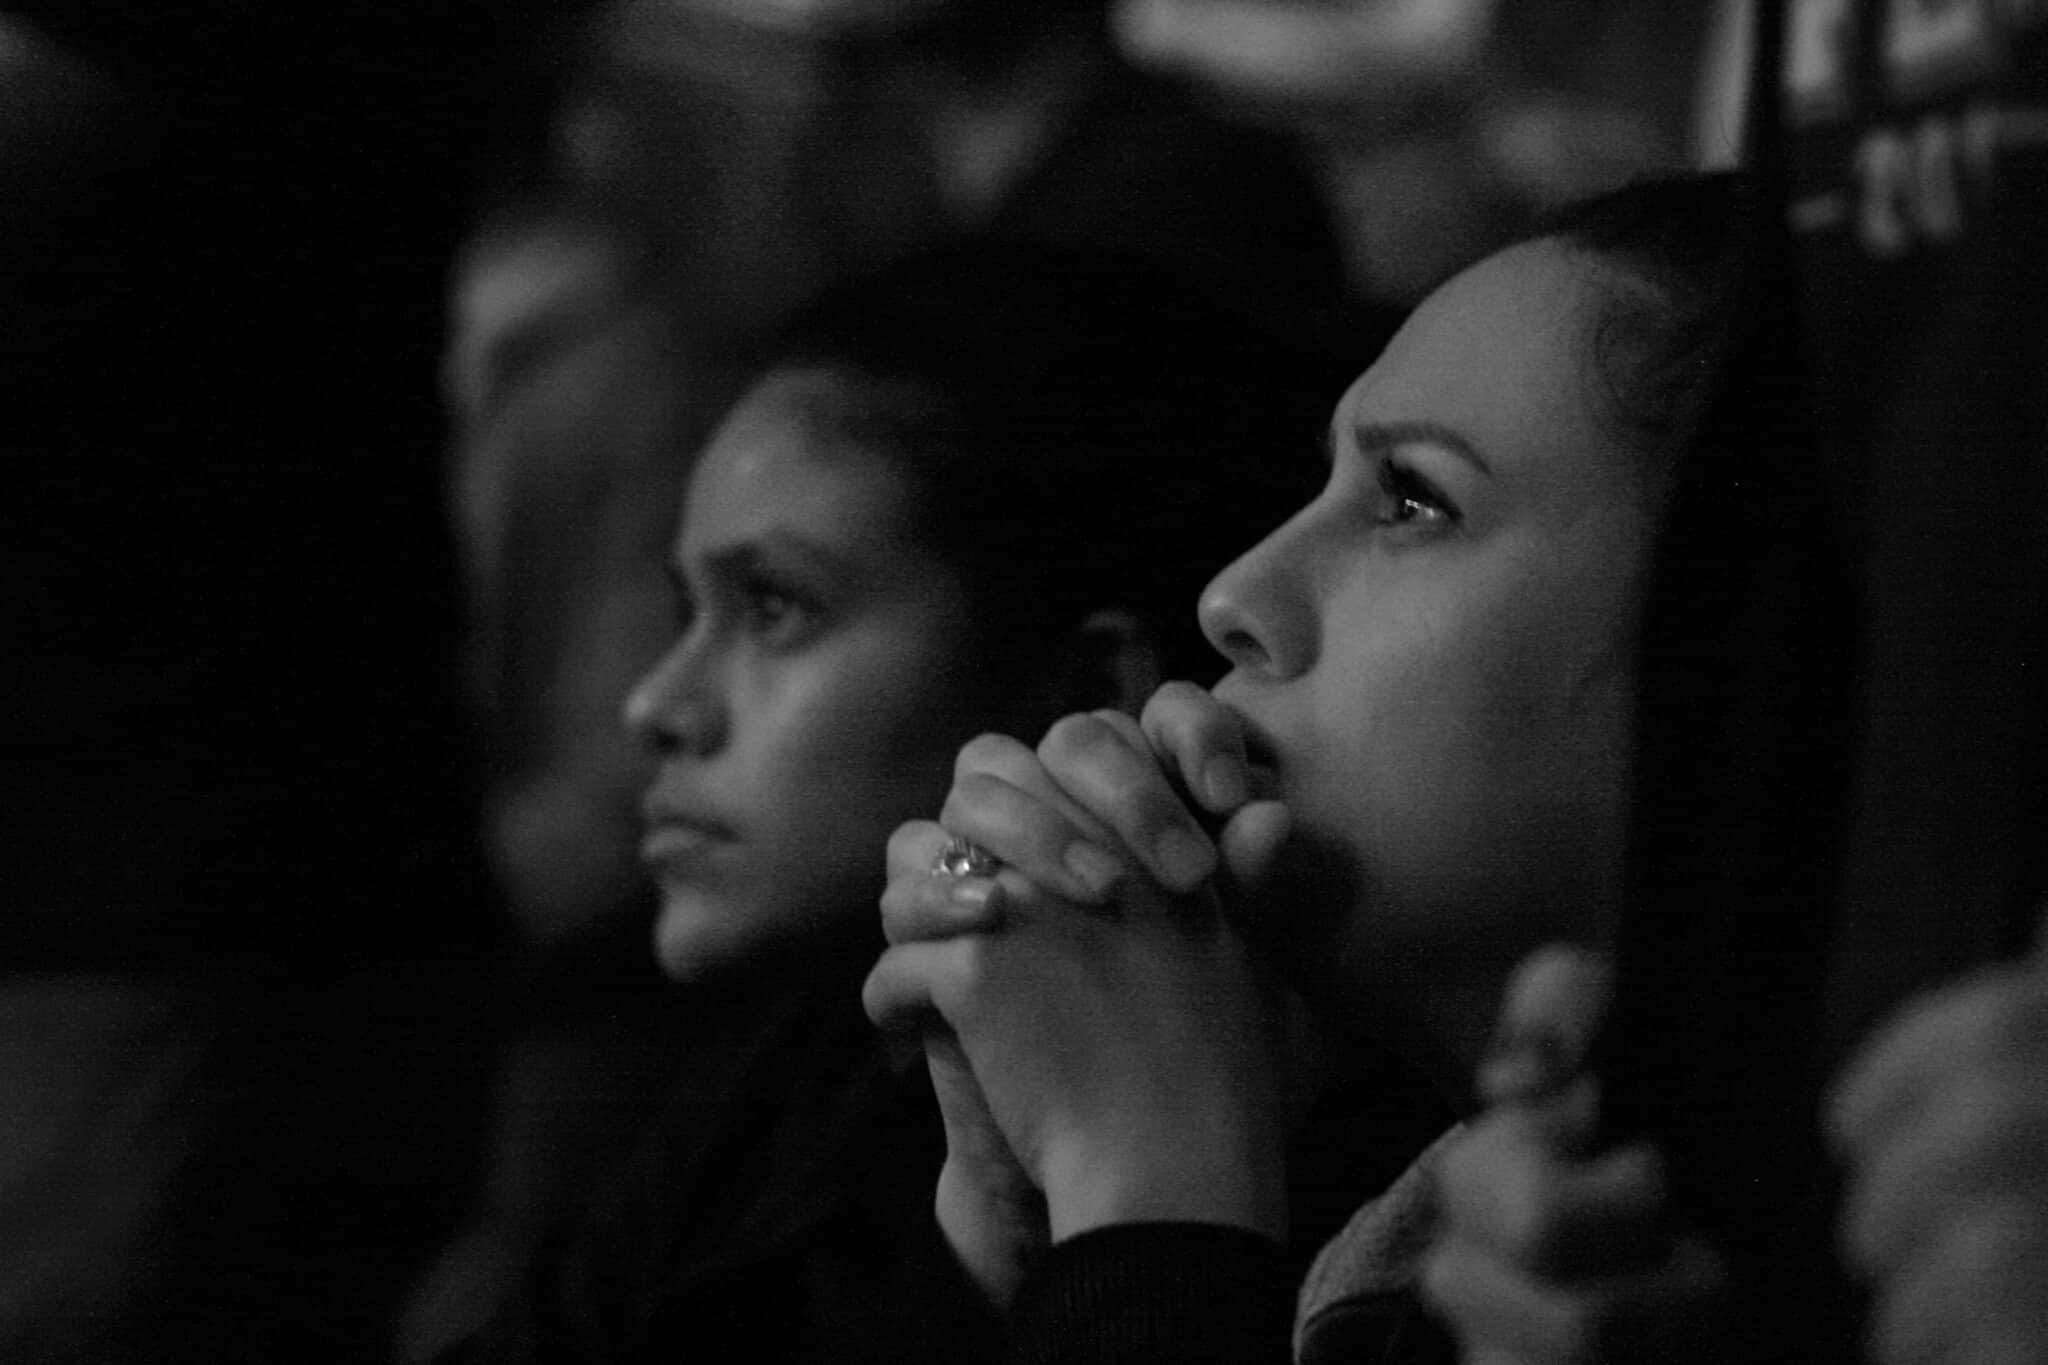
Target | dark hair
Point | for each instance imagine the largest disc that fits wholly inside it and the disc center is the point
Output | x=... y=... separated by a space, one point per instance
x=1683 y=257
x=1744 y=705
x=1081 y=429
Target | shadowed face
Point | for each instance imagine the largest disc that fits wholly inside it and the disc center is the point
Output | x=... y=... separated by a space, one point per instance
x=1437 y=659
x=821 y=684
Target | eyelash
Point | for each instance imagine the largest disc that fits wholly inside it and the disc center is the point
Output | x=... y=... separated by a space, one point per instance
x=1406 y=493
x=766 y=608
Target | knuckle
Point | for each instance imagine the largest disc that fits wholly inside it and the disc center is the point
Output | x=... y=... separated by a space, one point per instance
x=1445 y=1280
x=1124 y=727
x=973 y=793
x=911 y=846
x=1071 y=737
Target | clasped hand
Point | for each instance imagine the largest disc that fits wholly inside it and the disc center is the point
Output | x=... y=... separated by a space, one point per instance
x=1101 y=1035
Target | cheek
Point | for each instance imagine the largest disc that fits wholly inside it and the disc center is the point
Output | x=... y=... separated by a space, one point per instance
x=857 y=752
x=1478 y=748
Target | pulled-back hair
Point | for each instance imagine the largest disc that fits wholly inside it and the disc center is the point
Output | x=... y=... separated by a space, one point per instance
x=1682 y=318
x=1080 y=430
x=1745 y=690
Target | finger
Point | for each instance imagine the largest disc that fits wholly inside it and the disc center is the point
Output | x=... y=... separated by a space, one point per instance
x=1916 y=1053
x=1501 y=1313
x=1201 y=743
x=1088 y=857
x=1251 y=840
x=915 y=847
x=910 y=984
x=1976 y=1136
x=1121 y=784
x=1506 y=1190
x=1612 y=1217
x=920 y=905
x=1669 y=1310
x=1035 y=839
x=1018 y=764
x=1550 y=1014
x=971 y=1130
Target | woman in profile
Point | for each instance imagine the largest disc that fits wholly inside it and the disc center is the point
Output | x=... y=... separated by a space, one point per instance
x=1420 y=767
x=969 y=495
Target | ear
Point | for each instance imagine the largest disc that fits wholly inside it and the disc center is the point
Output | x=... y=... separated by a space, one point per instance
x=1115 y=661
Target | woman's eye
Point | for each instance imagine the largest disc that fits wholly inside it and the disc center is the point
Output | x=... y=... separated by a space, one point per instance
x=774 y=612
x=1409 y=501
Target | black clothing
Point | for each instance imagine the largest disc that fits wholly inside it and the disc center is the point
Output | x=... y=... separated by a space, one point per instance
x=780 y=1209
x=1141 y=1292
x=1190 y=1292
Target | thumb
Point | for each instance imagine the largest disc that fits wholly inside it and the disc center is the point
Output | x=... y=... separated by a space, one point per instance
x=1550 y=1015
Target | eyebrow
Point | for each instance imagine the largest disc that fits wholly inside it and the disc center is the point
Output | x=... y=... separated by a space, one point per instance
x=768 y=551
x=1376 y=436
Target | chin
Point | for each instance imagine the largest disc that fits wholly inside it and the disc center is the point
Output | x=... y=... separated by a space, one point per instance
x=699 y=937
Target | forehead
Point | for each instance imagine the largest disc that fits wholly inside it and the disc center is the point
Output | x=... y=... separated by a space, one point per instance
x=776 y=464
x=1500 y=353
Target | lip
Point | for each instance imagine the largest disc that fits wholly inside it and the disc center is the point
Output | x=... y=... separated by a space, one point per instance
x=677 y=846
x=677 y=835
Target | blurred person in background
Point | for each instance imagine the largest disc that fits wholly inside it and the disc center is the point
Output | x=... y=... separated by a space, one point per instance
x=788 y=144
x=242 y=900
x=1442 y=127
x=567 y=475
x=879 y=555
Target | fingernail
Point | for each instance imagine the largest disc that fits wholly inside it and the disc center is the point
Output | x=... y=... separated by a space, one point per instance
x=1223 y=780
x=1184 y=859
x=1095 y=870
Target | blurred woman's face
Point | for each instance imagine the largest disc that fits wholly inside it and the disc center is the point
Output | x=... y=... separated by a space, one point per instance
x=1436 y=659
x=815 y=697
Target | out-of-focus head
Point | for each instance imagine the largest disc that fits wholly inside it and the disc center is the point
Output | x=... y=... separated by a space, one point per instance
x=999 y=19
x=563 y=488
x=1438 y=656
x=971 y=494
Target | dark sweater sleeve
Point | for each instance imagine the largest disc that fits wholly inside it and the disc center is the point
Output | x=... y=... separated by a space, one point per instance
x=1145 y=1292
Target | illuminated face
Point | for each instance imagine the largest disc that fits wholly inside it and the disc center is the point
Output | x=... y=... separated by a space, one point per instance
x=1437 y=659
x=816 y=695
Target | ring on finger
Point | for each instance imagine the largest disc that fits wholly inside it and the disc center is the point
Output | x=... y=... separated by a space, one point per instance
x=965 y=858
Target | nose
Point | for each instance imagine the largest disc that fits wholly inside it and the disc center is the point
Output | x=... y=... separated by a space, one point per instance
x=673 y=708
x=1260 y=611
